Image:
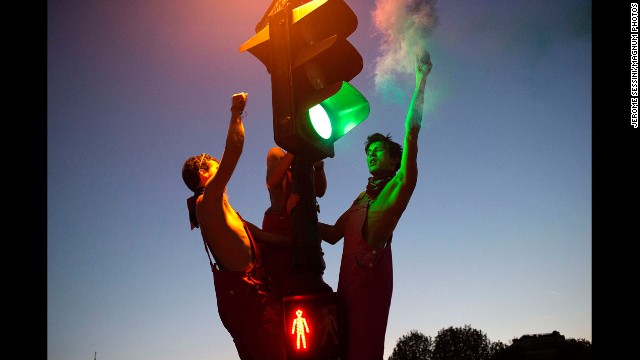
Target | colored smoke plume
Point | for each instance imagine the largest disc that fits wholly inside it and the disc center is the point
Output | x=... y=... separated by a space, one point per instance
x=405 y=26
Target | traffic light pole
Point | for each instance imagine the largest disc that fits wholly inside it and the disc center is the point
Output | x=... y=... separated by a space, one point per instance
x=308 y=263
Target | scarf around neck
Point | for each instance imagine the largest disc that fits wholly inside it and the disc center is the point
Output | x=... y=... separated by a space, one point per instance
x=375 y=185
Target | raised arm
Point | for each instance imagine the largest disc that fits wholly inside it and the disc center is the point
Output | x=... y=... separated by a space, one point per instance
x=413 y=122
x=384 y=214
x=232 y=150
x=278 y=162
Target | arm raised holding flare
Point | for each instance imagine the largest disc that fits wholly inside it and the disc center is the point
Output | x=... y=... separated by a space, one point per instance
x=365 y=282
x=382 y=153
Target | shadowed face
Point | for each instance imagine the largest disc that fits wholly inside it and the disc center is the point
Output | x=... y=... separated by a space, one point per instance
x=378 y=159
x=206 y=174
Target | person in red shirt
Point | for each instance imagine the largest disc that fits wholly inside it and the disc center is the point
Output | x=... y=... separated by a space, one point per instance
x=277 y=218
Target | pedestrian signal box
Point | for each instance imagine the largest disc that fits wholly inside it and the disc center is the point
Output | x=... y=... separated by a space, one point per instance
x=313 y=327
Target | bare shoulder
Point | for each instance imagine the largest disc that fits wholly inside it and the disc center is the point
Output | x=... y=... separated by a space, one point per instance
x=396 y=194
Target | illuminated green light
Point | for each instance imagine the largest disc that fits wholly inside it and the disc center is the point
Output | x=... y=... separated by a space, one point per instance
x=320 y=121
x=336 y=115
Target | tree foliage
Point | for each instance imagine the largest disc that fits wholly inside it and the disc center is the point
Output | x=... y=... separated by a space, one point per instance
x=461 y=343
x=577 y=349
x=413 y=346
x=496 y=348
x=466 y=343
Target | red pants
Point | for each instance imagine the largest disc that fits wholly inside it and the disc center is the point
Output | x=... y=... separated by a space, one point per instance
x=365 y=286
x=252 y=313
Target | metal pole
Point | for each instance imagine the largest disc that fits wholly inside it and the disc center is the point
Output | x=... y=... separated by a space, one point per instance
x=308 y=262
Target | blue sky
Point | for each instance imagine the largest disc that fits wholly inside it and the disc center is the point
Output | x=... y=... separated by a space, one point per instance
x=498 y=233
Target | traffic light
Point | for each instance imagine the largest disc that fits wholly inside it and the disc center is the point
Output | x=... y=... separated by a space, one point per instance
x=306 y=51
x=313 y=327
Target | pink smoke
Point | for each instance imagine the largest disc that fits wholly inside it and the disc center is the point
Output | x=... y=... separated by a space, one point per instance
x=405 y=26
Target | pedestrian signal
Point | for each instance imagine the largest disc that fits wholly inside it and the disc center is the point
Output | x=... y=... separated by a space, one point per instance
x=313 y=327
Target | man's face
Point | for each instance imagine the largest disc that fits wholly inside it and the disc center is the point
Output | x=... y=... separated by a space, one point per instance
x=213 y=169
x=378 y=159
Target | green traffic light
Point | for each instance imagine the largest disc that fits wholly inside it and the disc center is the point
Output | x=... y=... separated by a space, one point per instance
x=337 y=115
x=320 y=121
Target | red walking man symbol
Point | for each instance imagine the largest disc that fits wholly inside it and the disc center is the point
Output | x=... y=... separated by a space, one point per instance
x=299 y=328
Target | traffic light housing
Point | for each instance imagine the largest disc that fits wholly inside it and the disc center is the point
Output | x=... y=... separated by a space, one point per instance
x=306 y=51
x=313 y=327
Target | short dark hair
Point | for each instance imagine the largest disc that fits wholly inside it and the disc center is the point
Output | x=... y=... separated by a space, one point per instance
x=191 y=169
x=395 y=150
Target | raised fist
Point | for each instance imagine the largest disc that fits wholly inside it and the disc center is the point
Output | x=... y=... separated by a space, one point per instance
x=238 y=101
x=423 y=63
